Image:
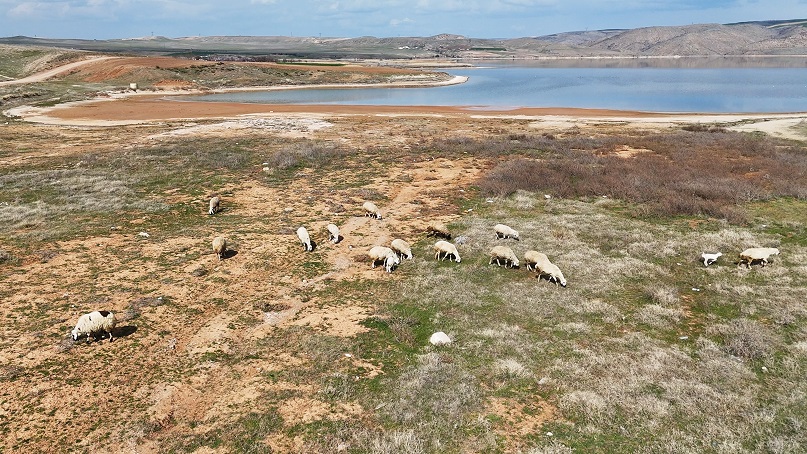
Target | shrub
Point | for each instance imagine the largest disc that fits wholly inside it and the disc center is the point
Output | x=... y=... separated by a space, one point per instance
x=700 y=173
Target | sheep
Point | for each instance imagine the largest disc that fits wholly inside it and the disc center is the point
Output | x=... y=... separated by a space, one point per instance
x=438 y=229
x=402 y=248
x=709 y=258
x=93 y=324
x=540 y=263
x=504 y=231
x=757 y=254
x=445 y=249
x=220 y=247
x=371 y=210
x=532 y=258
x=384 y=254
x=503 y=253
x=214 y=205
x=552 y=272
x=305 y=239
x=333 y=233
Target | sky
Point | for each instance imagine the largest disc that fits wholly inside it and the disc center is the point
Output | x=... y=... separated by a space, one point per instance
x=109 y=19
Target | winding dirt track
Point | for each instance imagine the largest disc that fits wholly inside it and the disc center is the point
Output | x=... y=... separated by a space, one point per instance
x=45 y=75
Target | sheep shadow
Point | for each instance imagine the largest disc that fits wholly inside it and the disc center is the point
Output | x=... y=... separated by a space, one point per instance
x=124 y=331
x=433 y=234
x=549 y=279
x=229 y=253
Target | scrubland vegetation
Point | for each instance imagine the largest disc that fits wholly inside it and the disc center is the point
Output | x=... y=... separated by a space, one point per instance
x=645 y=350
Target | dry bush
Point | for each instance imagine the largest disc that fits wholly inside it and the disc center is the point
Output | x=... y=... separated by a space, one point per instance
x=747 y=339
x=304 y=153
x=684 y=174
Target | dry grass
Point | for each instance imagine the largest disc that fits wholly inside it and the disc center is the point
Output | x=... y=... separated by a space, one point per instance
x=668 y=175
x=644 y=351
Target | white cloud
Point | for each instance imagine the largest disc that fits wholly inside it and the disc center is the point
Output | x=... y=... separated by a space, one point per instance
x=404 y=21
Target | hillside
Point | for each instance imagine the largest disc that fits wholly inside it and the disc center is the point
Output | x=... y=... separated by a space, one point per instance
x=785 y=37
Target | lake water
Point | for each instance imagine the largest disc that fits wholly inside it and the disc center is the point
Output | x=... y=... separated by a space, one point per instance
x=718 y=90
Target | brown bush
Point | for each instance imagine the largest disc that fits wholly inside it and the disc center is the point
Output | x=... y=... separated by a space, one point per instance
x=683 y=173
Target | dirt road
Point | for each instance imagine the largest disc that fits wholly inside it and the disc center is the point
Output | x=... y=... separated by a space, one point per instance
x=44 y=75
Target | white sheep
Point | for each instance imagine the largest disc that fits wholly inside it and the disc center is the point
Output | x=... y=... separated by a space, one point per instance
x=438 y=229
x=709 y=258
x=214 y=205
x=540 y=263
x=333 y=233
x=385 y=255
x=220 y=247
x=305 y=239
x=552 y=272
x=402 y=248
x=445 y=249
x=757 y=254
x=93 y=324
x=504 y=231
x=371 y=210
x=532 y=258
x=503 y=253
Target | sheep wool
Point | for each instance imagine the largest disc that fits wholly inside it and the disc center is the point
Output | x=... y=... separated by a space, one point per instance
x=371 y=210
x=709 y=258
x=385 y=255
x=503 y=254
x=438 y=229
x=333 y=233
x=552 y=272
x=220 y=247
x=402 y=248
x=757 y=254
x=443 y=249
x=94 y=324
x=305 y=239
x=214 y=205
x=504 y=231
x=533 y=258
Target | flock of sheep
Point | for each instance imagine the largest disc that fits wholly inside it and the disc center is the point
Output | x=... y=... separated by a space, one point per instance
x=101 y=323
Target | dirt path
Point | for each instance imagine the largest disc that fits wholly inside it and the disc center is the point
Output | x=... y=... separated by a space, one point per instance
x=44 y=75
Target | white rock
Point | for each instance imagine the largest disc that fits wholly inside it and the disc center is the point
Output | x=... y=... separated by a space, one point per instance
x=143 y=234
x=439 y=338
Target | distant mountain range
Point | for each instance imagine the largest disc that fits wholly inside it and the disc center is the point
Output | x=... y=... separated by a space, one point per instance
x=782 y=37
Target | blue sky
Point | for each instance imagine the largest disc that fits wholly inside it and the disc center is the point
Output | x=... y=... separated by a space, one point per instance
x=103 y=19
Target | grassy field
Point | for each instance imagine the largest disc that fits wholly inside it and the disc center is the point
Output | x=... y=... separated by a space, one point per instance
x=277 y=350
x=644 y=351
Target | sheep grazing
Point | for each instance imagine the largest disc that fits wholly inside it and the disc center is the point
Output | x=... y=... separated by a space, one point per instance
x=438 y=229
x=540 y=263
x=504 y=231
x=503 y=254
x=385 y=255
x=333 y=233
x=552 y=272
x=220 y=247
x=532 y=258
x=709 y=258
x=402 y=248
x=214 y=205
x=94 y=324
x=371 y=210
x=757 y=254
x=443 y=249
x=305 y=239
